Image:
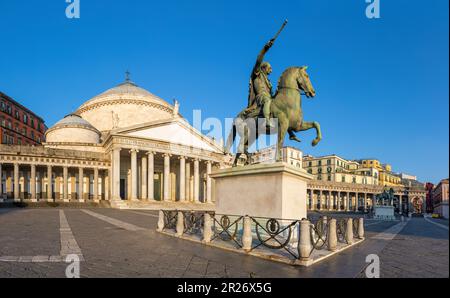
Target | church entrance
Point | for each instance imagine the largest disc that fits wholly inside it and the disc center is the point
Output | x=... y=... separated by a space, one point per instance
x=158 y=186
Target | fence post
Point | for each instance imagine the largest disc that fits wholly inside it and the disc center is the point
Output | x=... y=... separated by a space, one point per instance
x=349 y=231
x=180 y=224
x=247 y=234
x=305 y=247
x=332 y=235
x=160 y=221
x=207 y=233
x=361 y=228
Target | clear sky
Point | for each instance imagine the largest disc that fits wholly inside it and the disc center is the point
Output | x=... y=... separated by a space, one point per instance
x=382 y=84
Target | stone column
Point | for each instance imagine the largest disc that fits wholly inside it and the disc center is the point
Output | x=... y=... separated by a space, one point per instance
x=313 y=204
x=166 y=196
x=357 y=202
x=32 y=183
x=182 y=179
x=330 y=201
x=107 y=178
x=319 y=199
x=49 y=184
x=65 y=184
x=365 y=201
x=96 y=185
x=208 y=182
x=400 y=204
x=116 y=174
x=196 y=180
x=16 y=183
x=144 y=179
x=347 y=199
x=188 y=181
x=338 y=201
x=80 y=184
x=134 y=174
x=150 y=176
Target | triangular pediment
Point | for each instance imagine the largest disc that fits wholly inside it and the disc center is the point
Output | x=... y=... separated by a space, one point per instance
x=174 y=131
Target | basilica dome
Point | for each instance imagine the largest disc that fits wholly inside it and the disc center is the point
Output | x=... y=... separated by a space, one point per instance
x=123 y=106
x=73 y=129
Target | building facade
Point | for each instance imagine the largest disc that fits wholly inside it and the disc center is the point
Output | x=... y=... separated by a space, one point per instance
x=343 y=185
x=332 y=168
x=440 y=198
x=19 y=125
x=126 y=146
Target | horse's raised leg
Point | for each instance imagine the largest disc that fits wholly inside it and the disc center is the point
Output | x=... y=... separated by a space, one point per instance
x=292 y=136
x=316 y=125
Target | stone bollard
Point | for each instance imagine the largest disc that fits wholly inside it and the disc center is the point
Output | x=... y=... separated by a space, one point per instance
x=180 y=224
x=305 y=247
x=361 y=228
x=403 y=218
x=247 y=234
x=349 y=231
x=332 y=235
x=160 y=221
x=325 y=221
x=207 y=226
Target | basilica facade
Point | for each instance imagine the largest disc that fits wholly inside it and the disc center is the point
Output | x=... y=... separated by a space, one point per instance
x=126 y=146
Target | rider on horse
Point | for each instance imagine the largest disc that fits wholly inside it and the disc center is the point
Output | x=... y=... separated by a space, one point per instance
x=260 y=93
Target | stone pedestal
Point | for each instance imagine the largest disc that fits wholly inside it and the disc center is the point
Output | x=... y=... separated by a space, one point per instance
x=275 y=190
x=384 y=212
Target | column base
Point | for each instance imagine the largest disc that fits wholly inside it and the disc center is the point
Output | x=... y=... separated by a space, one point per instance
x=96 y=201
x=16 y=200
x=33 y=201
x=81 y=201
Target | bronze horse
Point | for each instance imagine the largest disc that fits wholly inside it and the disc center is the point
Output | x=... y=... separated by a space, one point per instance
x=286 y=108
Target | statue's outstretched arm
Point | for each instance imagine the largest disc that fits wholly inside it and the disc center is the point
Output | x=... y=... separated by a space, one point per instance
x=263 y=52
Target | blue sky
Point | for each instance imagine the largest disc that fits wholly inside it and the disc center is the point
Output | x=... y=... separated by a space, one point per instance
x=382 y=85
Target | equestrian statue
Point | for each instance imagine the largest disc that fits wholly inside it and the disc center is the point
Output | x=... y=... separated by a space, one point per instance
x=269 y=113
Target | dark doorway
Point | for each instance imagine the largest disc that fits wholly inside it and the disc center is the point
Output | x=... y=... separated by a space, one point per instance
x=122 y=189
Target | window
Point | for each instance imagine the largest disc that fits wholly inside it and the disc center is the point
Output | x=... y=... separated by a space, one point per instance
x=329 y=177
x=329 y=162
x=319 y=170
x=310 y=164
x=319 y=177
x=343 y=178
x=354 y=180
x=320 y=162
x=32 y=122
x=16 y=114
x=310 y=171
x=25 y=118
x=329 y=169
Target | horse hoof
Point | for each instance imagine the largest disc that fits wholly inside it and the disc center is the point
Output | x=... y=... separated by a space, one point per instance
x=295 y=139
x=315 y=142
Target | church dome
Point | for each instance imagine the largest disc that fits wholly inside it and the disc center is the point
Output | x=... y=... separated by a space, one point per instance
x=122 y=106
x=73 y=129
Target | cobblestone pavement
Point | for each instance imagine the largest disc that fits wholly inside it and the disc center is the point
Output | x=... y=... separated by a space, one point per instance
x=118 y=243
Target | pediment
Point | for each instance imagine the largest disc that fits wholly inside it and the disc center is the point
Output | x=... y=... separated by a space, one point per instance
x=174 y=131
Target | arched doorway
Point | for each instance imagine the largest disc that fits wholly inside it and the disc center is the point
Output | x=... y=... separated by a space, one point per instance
x=417 y=205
